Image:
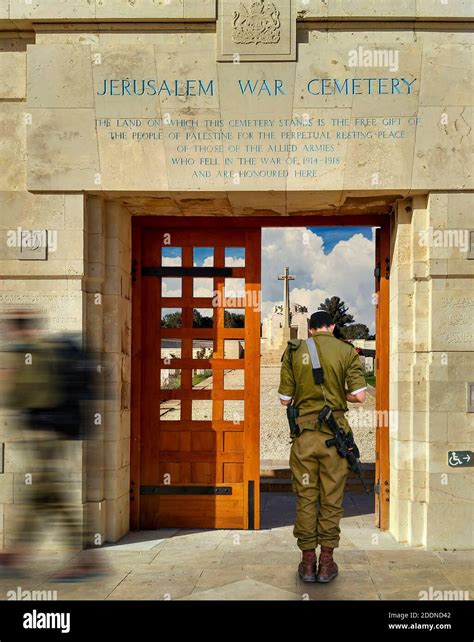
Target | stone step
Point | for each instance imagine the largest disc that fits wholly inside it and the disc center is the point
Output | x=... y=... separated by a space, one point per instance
x=278 y=479
x=284 y=472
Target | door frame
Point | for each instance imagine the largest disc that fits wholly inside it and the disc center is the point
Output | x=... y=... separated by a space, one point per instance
x=382 y=498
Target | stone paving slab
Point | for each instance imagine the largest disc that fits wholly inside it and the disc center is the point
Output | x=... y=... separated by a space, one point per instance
x=148 y=584
x=98 y=589
x=456 y=557
x=145 y=540
x=349 y=585
x=189 y=558
x=173 y=564
x=244 y=590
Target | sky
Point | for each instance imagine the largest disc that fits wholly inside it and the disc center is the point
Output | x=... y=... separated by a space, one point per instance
x=326 y=261
x=334 y=261
x=332 y=235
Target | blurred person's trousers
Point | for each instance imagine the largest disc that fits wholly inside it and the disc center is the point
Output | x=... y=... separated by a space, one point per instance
x=50 y=494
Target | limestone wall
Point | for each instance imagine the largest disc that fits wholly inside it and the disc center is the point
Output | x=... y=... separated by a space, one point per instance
x=431 y=345
x=70 y=144
x=179 y=10
x=61 y=171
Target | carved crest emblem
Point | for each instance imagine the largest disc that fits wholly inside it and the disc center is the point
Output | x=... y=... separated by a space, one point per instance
x=256 y=24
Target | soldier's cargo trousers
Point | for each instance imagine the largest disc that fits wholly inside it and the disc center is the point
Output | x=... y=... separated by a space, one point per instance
x=319 y=477
x=53 y=496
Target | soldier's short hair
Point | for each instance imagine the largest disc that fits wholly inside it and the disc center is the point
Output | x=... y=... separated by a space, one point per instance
x=320 y=319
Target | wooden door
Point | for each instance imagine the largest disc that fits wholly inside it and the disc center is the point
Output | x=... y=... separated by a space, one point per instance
x=197 y=385
x=382 y=406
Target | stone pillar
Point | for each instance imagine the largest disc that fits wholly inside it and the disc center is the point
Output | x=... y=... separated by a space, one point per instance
x=431 y=352
x=95 y=506
x=117 y=352
x=108 y=333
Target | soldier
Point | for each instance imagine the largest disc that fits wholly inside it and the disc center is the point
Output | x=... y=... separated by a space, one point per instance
x=319 y=473
x=45 y=382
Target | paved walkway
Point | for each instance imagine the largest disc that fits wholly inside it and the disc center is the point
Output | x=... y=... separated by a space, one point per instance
x=181 y=564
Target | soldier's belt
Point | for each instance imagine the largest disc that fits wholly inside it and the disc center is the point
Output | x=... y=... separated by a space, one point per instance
x=315 y=416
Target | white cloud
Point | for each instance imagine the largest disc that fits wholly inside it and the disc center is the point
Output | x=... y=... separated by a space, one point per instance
x=171 y=287
x=347 y=271
x=169 y=261
x=203 y=287
x=230 y=261
x=233 y=261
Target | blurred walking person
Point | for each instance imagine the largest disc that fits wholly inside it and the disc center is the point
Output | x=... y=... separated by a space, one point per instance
x=46 y=382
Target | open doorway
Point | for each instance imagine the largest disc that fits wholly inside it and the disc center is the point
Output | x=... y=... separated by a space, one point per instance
x=338 y=269
x=195 y=433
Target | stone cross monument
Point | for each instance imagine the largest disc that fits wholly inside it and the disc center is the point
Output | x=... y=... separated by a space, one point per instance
x=286 y=278
x=286 y=330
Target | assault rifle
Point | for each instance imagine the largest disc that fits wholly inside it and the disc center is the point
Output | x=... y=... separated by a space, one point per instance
x=344 y=442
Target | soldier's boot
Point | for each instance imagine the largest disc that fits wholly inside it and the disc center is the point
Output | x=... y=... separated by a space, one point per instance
x=327 y=569
x=307 y=566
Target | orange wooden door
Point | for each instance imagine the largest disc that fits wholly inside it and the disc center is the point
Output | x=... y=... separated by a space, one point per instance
x=382 y=436
x=199 y=299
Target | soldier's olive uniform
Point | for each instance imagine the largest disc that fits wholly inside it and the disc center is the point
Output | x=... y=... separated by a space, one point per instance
x=53 y=495
x=319 y=473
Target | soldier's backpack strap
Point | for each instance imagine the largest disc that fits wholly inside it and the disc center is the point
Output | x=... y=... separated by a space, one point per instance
x=318 y=374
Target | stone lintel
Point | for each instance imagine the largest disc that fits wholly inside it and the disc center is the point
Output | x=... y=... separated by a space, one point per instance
x=330 y=204
x=18 y=15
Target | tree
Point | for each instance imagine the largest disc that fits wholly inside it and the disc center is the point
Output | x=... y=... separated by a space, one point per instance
x=171 y=320
x=337 y=309
x=200 y=321
x=356 y=331
x=234 y=320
